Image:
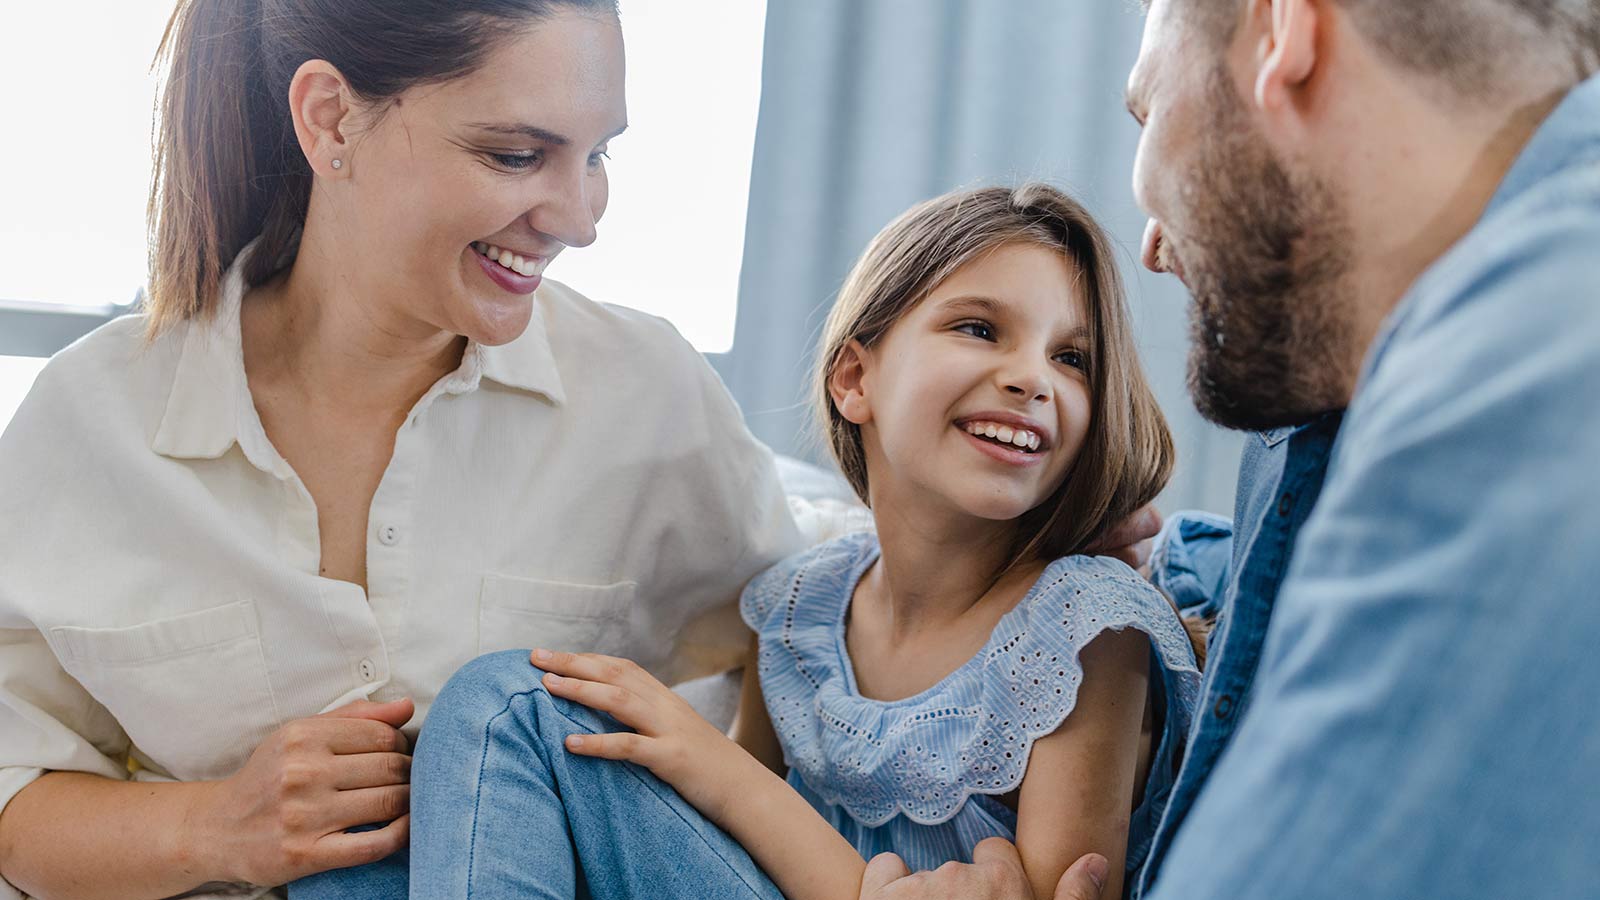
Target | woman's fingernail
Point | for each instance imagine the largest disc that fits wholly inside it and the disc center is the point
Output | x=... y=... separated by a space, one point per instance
x=542 y=655
x=552 y=678
x=575 y=741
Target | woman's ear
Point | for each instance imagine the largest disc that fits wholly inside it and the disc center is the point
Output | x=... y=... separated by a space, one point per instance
x=320 y=104
x=847 y=384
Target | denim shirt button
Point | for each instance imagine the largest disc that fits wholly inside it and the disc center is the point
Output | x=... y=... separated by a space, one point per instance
x=1285 y=504
x=1224 y=707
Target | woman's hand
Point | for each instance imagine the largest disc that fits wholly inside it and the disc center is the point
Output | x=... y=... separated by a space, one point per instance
x=670 y=738
x=283 y=815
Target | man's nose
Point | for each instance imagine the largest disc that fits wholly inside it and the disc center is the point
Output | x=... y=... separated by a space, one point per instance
x=1151 y=251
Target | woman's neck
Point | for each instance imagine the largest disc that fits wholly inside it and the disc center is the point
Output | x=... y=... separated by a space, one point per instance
x=320 y=334
x=936 y=570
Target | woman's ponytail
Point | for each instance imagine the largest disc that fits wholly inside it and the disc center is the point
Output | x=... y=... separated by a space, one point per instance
x=227 y=167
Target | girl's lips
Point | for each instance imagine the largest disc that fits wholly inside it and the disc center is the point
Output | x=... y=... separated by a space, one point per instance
x=1012 y=455
x=504 y=277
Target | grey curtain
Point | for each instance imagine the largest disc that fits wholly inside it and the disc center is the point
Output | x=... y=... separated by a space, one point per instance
x=869 y=106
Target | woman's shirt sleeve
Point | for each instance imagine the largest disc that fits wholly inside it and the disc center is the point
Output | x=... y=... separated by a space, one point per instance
x=48 y=722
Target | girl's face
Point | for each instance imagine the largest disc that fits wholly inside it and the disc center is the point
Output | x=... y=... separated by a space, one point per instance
x=510 y=158
x=979 y=396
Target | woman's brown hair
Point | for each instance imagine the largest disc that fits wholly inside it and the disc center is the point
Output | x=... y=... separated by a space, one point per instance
x=1127 y=455
x=228 y=167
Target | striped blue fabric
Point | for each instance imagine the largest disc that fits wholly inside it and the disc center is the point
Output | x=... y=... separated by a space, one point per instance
x=922 y=776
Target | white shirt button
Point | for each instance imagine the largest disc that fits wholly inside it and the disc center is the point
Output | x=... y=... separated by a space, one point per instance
x=369 y=670
x=389 y=535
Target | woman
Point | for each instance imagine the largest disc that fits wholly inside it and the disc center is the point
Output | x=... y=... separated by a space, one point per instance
x=351 y=445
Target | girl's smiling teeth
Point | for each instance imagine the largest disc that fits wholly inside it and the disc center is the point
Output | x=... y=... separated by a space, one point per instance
x=517 y=264
x=1004 y=434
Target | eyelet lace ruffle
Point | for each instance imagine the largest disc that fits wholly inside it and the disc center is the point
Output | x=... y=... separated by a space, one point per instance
x=972 y=732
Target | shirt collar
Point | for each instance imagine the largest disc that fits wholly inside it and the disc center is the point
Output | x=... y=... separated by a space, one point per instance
x=209 y=408
x=1569 y=136
x=525 y=363
x=202 y=418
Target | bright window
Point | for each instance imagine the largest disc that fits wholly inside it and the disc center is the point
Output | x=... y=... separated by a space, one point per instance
x=75 y=165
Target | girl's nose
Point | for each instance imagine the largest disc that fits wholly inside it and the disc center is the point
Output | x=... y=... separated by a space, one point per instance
x=1027 y=384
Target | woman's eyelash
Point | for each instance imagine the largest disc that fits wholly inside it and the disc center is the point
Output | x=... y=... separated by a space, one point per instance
x=517 y=162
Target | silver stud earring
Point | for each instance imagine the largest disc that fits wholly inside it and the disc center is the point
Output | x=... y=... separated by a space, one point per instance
x=338 y=164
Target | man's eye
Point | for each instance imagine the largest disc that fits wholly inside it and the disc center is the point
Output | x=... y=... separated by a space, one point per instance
x=597 y=159
x=1074 y=358
x=977 y=329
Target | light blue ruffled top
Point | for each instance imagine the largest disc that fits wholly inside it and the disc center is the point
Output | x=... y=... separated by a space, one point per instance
x=922 y=777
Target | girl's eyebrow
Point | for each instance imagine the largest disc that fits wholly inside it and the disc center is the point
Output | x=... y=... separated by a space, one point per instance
x=985 y=305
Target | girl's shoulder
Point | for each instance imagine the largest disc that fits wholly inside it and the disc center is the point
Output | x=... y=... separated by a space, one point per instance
x=1078 y=598
x=924 y=756
x=815 y=583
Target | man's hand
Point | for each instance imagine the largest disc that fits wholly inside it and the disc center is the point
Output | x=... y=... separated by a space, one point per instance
x=1129 y=540
x=995 y=874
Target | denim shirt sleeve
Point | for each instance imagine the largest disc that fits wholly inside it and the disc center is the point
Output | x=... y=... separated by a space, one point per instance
x=1192 y=561
x=1424 y=721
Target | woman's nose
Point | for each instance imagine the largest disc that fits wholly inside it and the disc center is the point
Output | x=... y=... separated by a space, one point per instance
x=566 y=213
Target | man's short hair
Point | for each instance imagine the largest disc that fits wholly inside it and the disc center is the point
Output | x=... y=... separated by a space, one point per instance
x=1476 y=47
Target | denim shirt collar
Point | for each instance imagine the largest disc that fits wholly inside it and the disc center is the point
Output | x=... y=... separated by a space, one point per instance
x=1571 y=134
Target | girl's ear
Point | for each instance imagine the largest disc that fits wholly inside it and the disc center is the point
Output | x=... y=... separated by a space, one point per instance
x=847 y=384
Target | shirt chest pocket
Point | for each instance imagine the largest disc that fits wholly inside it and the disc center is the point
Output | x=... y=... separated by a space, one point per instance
x=522 y=613
x=191 y=691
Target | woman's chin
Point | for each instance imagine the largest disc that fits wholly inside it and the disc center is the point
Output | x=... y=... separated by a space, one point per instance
x=499 y=322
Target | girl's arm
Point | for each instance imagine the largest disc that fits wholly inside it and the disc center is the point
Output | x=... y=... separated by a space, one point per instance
x=752 y=727
x=797 y=848
x=1078 y=792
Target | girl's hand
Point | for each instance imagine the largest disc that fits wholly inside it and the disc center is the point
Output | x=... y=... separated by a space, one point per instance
x=670 y=738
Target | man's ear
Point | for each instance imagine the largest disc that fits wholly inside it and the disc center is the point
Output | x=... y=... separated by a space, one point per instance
x=320 y=104
x=847 y=383
x=1286 y=51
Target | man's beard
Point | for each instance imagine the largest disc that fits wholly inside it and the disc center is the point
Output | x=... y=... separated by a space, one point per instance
x=1266 y=256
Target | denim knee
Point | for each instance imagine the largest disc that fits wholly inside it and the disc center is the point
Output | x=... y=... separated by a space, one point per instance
x=481 y=688
x=488 y=685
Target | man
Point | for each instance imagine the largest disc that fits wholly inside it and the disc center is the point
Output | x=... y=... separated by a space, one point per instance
x=1390 y=205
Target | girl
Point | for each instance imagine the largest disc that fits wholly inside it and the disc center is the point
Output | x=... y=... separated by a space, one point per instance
x=957 y=676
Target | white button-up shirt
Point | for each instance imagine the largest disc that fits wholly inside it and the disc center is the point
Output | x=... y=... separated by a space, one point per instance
x=589 y=486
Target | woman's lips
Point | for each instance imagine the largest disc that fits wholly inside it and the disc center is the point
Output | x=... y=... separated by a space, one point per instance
x=508 y=280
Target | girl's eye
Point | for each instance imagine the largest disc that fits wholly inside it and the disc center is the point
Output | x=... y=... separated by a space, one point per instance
x=1074 y=358
x=979 y=330
x=597 y=159
x=518 y=162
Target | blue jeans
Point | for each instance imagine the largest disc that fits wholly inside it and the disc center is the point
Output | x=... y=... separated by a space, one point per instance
x=499 y=808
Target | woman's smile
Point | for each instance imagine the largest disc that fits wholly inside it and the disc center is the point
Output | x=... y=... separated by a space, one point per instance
x=511 y=271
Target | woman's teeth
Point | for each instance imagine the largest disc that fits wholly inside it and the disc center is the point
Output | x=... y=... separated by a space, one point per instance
x=515 y=263
x=1005 y=434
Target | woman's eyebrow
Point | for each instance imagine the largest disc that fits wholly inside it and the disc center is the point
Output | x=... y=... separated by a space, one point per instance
x=519 y=129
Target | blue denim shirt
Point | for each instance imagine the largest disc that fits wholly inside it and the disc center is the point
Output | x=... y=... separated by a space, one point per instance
x=1423 y=719
x=1210 y=570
